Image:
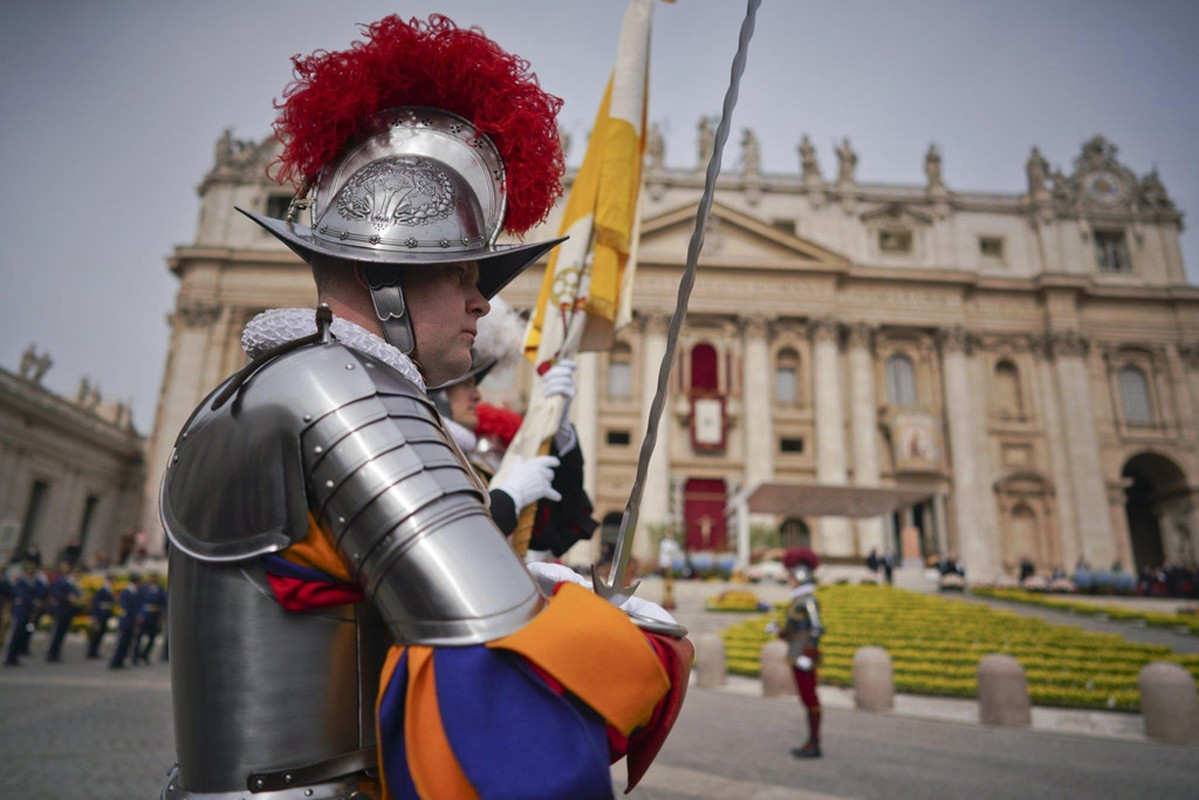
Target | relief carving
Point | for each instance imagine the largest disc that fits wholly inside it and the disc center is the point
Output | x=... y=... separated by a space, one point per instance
x=824 y=329
x=197 y=313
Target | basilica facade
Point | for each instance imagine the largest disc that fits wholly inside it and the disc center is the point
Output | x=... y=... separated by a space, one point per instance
x=1024 y=368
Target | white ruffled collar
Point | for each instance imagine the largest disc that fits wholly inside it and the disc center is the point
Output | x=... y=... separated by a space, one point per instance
x=465 y=437
x=278 y=326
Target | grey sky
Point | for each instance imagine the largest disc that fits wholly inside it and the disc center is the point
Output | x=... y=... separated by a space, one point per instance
x=111 y=111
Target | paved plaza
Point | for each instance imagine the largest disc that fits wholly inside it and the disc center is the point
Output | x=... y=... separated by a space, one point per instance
x=79 y=730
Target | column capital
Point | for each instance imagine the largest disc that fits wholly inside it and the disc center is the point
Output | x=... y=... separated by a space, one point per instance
x=754 y=326
x=1189 y=353
x=1067 y=343
x=824 y=329
x=861 y=334
x=957 y=339
x=197 y=313
x=654 y=323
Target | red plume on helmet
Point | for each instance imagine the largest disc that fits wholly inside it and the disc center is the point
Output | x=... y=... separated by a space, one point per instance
x=419 y=63
x=800 y=555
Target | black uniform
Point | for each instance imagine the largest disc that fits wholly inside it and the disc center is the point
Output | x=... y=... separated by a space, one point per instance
x=61 y=604
x=101 y=612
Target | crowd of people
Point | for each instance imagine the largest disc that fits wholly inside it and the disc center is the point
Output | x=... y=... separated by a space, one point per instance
x=33 y=598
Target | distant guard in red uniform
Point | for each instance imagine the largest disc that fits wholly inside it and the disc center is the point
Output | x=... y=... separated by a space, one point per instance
x=802 y=630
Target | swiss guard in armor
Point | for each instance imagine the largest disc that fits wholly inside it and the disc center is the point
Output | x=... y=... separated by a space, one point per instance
x=346 y=619
x=554 y=481
x=802 y=630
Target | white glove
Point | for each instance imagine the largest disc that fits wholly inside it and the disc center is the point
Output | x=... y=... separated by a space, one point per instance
x=526 y=482
x=804 y=663
x=550 y=575
x=559 y=381
x=772 y=627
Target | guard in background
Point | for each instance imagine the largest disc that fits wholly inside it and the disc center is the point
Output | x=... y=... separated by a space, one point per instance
x=130 y=603
x=153 y=602
x=24 y=590
x=802 y=630
x=101 y=612
x=61 y=602
x=555 y=481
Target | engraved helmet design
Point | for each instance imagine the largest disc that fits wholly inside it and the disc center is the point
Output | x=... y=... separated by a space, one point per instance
x=425 y=187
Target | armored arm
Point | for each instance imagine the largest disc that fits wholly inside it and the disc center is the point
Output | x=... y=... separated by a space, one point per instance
x=328 y=430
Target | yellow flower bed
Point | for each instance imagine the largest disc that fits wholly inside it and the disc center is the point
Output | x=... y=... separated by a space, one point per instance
x=1154 y=619
x=735 y=600
x=935 y=645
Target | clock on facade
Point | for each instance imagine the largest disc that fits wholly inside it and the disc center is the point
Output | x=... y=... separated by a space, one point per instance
x=1103 y=186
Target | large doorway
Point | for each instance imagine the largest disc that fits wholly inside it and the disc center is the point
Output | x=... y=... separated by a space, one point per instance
x=703 y=513
x=1157 y=508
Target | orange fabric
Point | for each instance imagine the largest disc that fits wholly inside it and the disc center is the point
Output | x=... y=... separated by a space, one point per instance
x=583 y=641
x=316 y=551
x=435 y=770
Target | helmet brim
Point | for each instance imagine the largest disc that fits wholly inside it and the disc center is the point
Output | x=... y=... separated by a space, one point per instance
x=498 y=264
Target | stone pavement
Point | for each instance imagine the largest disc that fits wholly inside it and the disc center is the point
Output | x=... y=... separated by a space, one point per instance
x=78 y=730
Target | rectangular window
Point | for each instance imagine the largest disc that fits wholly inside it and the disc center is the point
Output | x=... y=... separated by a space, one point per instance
x=990 y=248
x=618 y=438
x=895 y=243
x=89 y=510
x=620 y=379
x=1111 y=251
x=785 y=383
x=33 y=513
x=790 y=444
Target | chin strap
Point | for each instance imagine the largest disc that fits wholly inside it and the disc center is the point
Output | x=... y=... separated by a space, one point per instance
x=387 y=295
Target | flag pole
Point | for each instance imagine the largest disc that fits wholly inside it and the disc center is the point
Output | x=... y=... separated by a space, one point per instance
x=614 y=588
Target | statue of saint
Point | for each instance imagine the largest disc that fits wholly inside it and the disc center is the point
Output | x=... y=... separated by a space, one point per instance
x=807 y=160
x=932 y=167
x=655 y=147
x=1038 y=170
x=707 y=140
x=751 y=156
x=847 y=162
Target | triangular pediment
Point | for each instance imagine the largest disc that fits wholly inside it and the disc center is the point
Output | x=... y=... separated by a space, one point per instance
x=731 y=237
x=897 y=214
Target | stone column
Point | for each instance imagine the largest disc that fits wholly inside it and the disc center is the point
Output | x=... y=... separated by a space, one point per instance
x=1069 y=537
x=1082 y=447
x=835 y=538
x=756 y=394
x=184 y=384
x=584 y=412
x=974 y=509
x=8 y=482
x=863 y=417
x=655 y=501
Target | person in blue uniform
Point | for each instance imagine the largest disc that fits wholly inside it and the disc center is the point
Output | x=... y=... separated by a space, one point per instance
x=130 y=603
x=24 y=597
x=64 y=590
x=101 y=612
x=153 y=601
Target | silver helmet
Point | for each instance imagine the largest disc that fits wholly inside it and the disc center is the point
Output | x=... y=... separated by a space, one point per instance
x=423 y=187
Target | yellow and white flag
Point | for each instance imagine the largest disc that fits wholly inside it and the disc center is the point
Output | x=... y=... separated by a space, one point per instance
x=586 y=294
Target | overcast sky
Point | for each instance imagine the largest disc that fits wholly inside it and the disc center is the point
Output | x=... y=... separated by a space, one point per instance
x=111 y=111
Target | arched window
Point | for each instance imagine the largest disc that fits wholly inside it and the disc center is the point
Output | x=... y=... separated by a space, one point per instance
x=1007 y=390
x=704 y=374
x=901 y=380
x=1134 y=393
x=620 y=371
x=786 y=377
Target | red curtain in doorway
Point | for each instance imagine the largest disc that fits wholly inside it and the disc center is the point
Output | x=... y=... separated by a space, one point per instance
x=703 y=511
